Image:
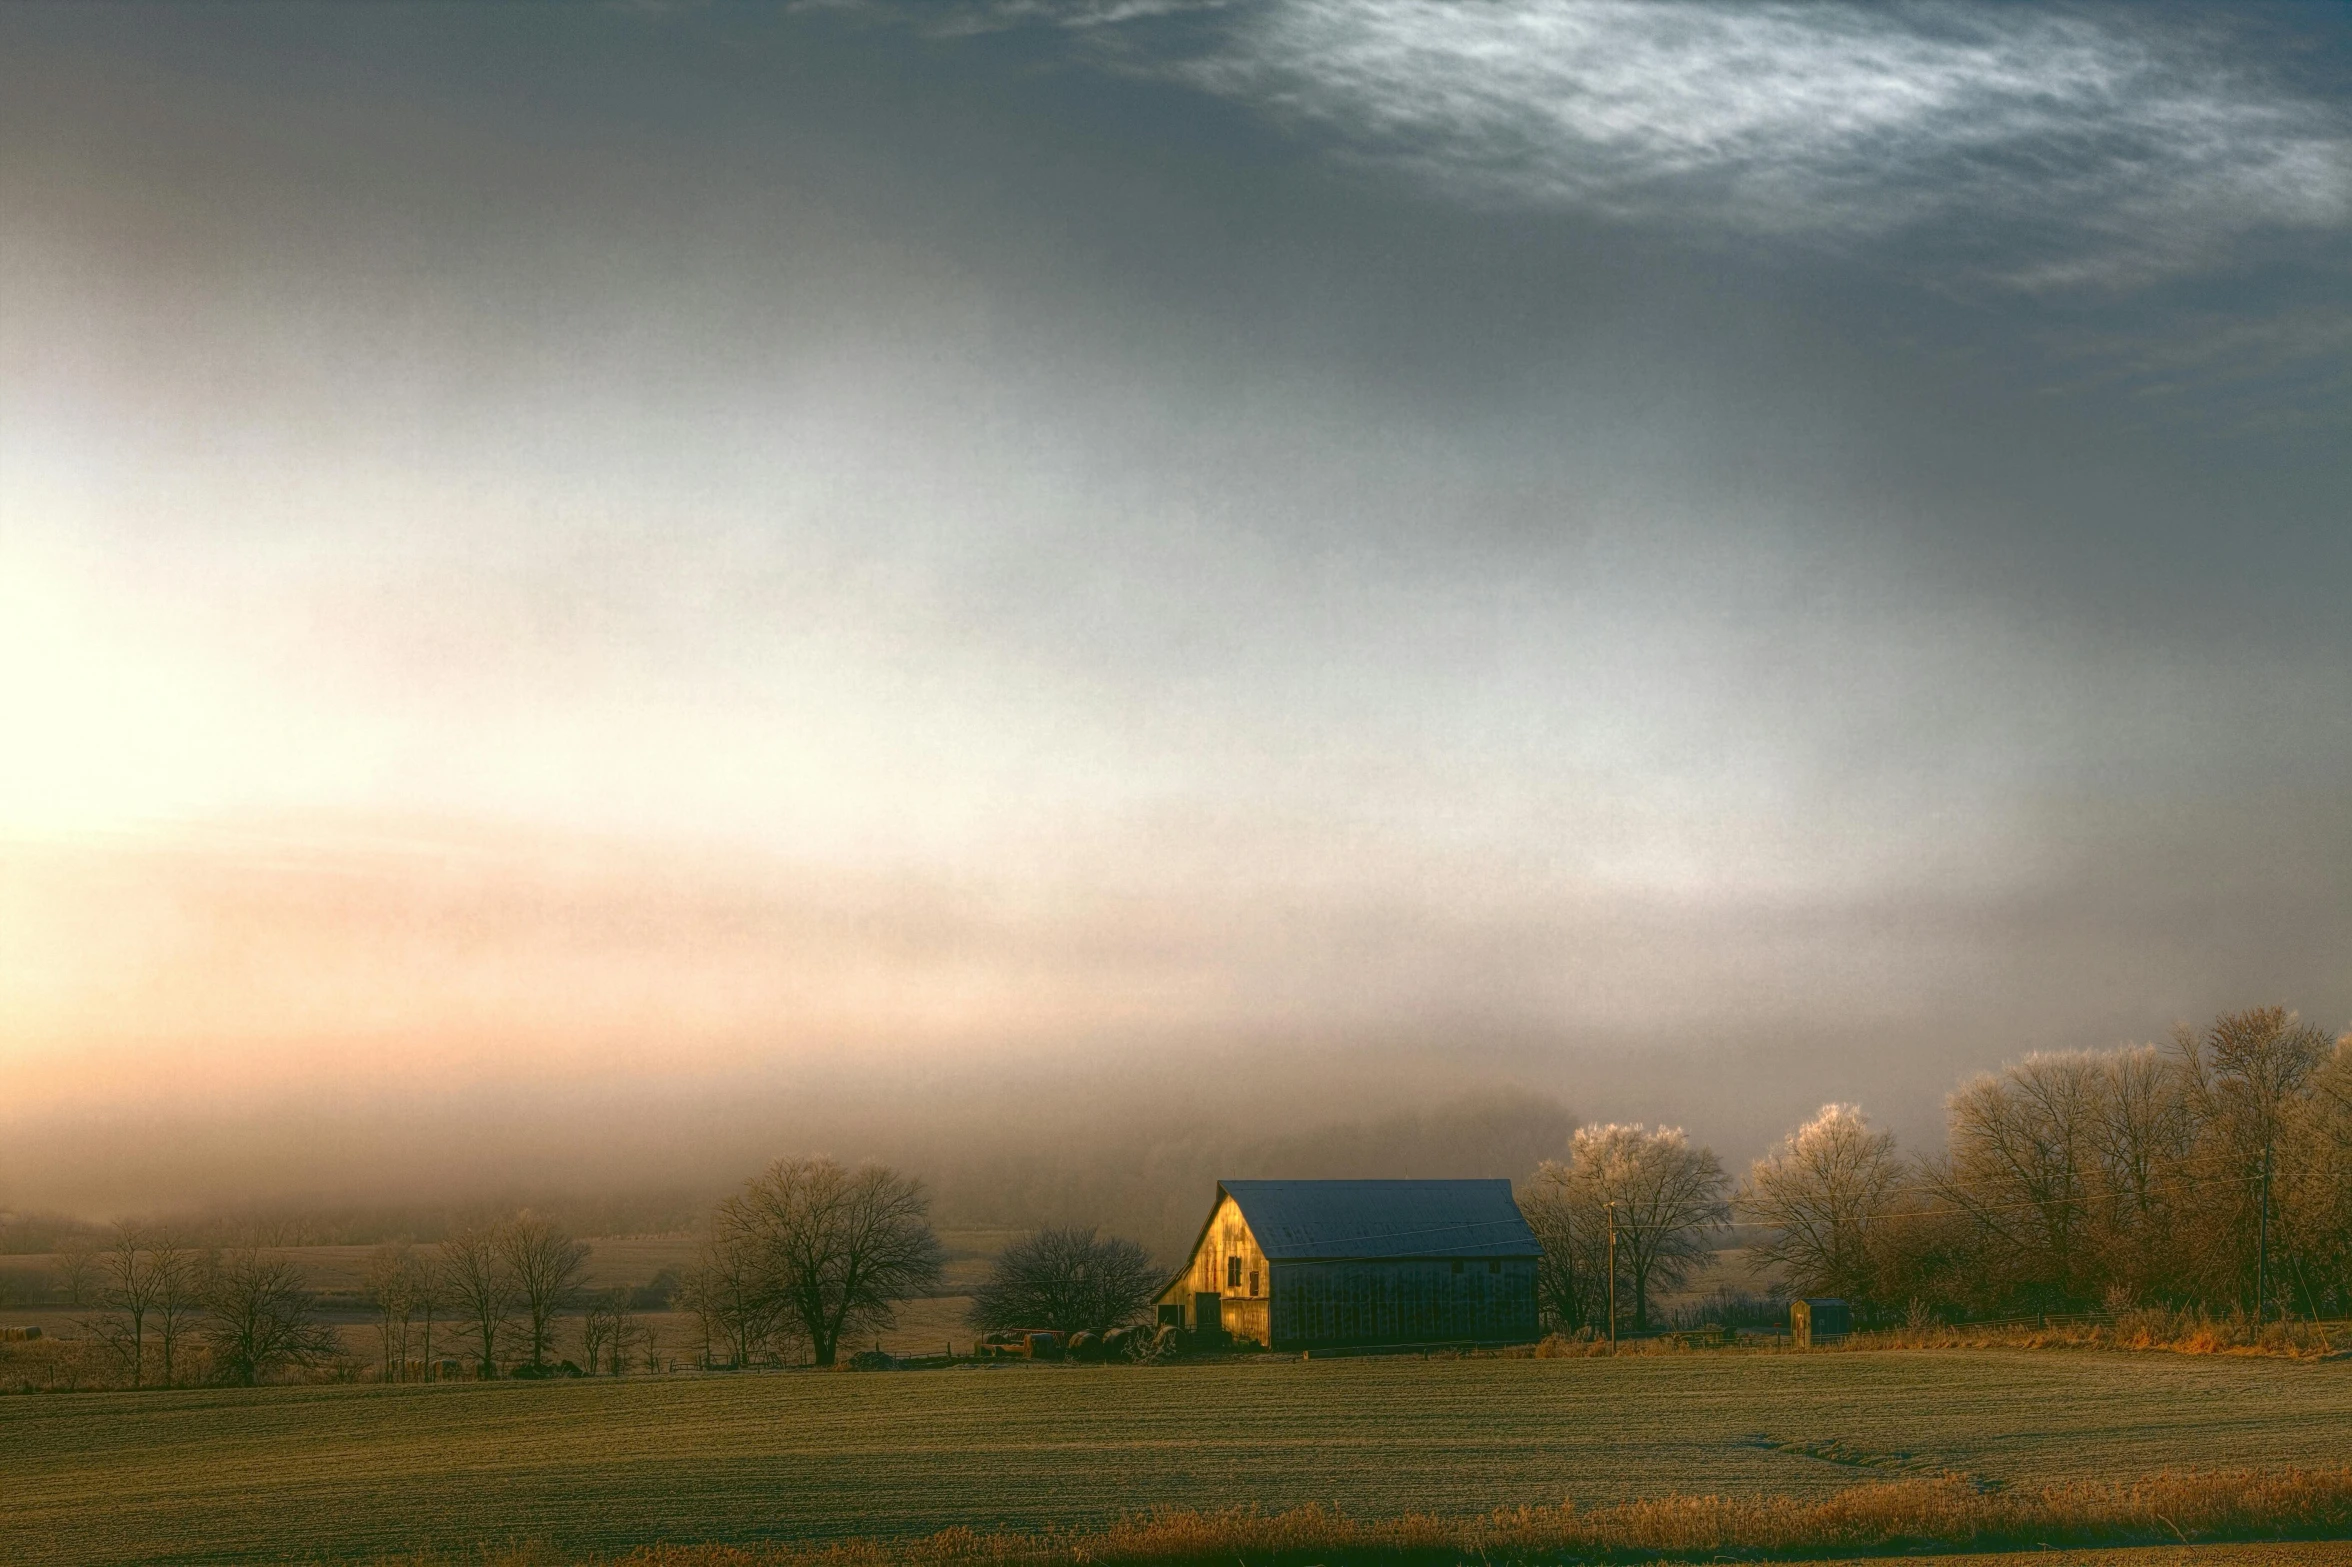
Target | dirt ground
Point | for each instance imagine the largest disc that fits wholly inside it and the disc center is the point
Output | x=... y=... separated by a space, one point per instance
x=2306 y=1553
x=606 y=1464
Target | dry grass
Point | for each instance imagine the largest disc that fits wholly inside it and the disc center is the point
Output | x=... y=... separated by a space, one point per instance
x=56 y=1364
x=1948 y=1513
x=2151 y=1329
x=2154 y=1329
x=1559 y=1346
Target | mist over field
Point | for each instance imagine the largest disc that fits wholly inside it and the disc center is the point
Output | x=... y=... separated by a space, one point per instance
x=1083 y=598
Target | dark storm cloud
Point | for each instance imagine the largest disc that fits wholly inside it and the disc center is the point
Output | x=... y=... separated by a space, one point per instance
x=2085 y=154
x=2103 y=146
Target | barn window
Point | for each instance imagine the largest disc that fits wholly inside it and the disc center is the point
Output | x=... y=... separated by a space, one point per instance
x=1253 y=1284
x=1494 y=1266
x=1457 y=1267
x=1233 y=1273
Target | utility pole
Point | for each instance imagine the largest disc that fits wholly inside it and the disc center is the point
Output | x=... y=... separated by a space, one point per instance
x=1612 y=1276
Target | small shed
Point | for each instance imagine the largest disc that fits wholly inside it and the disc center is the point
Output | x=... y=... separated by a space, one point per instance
x=1823 y=1321
x=1313 y=1264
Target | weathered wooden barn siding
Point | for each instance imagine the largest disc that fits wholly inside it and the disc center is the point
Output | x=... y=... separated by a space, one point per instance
x=1229 y=1264
x=1419 y=1300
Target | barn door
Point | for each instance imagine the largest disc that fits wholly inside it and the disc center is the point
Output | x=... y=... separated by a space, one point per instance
x=1208 y=1312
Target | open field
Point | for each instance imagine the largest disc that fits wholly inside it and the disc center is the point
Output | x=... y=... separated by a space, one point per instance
x=2282 y=1554
x=1895 y=1517
x=2273 y=1553
x=2294 y=1553
x=2278 y=1553
x=612 y=1259
x=349 y=1472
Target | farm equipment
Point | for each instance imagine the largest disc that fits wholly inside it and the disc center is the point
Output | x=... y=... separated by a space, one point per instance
x=1120 y=1343
x=1026 y=1344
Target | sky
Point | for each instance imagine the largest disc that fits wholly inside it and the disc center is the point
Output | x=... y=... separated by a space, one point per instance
x=570 y=576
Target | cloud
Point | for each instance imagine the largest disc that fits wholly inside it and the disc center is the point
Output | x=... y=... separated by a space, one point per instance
x=2284 y=371
x=2045 y=149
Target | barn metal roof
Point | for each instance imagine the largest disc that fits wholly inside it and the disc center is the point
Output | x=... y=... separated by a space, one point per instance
x=1295 y=1220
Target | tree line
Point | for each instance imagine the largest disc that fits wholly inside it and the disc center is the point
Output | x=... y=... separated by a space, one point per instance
x=502 y=1286
x=807 y=1258
x=810 y=1256
x=246 y=1313
x=496 y=1289
x=2214 y=1172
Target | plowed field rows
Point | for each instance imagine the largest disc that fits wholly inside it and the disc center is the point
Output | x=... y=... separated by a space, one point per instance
x=351 y=1472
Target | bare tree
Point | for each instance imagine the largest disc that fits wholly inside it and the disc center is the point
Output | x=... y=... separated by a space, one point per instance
x=1817 y=1195
x=2024 y=1165
x=78 y=1272
x=1573 y=1231
x=610 y=1331
x=838 y=1249
x=127 y=1292
x=481 y=1289
x=1926 y=1255
x=600 y=1325
x=629 y=1331
x=2316 y=1197
x=390 y=1285
x=2246 y=1074
x=546 y=1265
x=428 y=1289
x=2144 y=1131
x=1068 y=1280
x=263 y=1319
x=1663 y=1198
x=736 y=1305
x=2201 y=1176
x=179 y=1274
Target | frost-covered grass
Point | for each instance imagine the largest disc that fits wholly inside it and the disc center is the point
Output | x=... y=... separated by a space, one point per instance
x=357 y=1473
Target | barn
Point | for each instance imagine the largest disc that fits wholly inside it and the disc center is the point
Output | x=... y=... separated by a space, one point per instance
x=1309 y=1264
